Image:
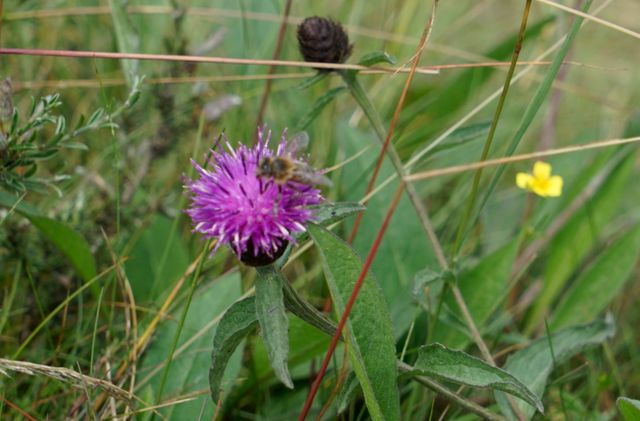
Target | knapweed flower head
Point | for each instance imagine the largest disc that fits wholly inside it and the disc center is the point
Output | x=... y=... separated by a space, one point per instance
x=256 y=215
x=541 y=182
x=323 y=40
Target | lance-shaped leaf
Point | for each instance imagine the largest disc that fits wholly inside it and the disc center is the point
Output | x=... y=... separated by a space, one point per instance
x=274 y=325
x=319 y=105
x=437 y=361
x=601 y=282
x=533 y=364
x=68 y=241
x=376 y=57
x=629 y=408
x=238 y=321
x=370 y=339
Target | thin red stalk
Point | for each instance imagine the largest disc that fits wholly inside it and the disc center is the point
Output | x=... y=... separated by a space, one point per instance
x=396 y=115
x=18 y=409
x=276 y=55
x=351 y=302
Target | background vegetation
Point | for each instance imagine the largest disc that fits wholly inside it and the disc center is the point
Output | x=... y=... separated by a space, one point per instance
x=96 y=254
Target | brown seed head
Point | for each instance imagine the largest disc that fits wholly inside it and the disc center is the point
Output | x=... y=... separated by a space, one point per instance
x=324 y=41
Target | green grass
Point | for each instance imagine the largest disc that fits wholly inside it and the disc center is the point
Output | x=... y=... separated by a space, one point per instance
x=98 y=259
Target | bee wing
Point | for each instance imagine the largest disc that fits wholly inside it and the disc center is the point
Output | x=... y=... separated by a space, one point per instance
x=323 y=180
x=297 y=143
x=309 y=175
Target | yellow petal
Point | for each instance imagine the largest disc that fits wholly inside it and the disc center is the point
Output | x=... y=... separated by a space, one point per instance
x=541 y=170
x=539 y=188
x=554 y=188
x=523 y=180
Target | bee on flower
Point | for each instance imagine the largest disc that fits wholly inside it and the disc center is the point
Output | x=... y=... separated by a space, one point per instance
x=254 y=211
x=540 y=182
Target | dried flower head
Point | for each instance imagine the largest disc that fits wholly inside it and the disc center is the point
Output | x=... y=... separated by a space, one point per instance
x=324 y=41
x=255 y=215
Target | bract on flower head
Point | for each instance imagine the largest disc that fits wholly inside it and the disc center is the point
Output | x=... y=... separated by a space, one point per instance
x=254 y=215
x=541 y=182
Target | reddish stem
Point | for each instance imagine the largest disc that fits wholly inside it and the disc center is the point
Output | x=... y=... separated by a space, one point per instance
x=394 y=120
x=351 y=302
x=276 y=56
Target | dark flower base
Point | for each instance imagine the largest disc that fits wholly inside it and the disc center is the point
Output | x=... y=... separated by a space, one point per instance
x=262 y=259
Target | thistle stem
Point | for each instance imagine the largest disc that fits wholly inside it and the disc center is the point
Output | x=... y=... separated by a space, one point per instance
x=361 y=97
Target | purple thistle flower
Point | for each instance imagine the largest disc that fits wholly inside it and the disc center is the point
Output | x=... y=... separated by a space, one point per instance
x=255 y=215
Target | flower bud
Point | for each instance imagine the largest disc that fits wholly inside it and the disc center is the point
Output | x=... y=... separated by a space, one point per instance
x=324 y=41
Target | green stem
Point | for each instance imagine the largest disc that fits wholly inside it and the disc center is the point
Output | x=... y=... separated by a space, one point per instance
x=361 y=97
x=305 y=311
x=183 y=317
x=534 y=107
x=494 y=124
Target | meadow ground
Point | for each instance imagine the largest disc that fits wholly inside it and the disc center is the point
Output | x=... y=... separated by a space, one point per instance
x=113 y=306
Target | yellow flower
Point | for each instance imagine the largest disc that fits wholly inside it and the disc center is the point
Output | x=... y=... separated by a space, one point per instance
x=541 y=182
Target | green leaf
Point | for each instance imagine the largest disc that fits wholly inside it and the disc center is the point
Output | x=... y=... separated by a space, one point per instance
x=190 y=367
x=328 y=214
x=318 y=106
x=69 y=242
x=376 y=57
x=307 y=83
x=533 y=364
x=325 y=215
x=435 y=360
x=126 y=37
x=348 y=392
x=482 y=286
x=371 y=339
x=305 y=343
x=578 y=236
x=273 y=320
x=601 y=282
x=157 y=260
x=629 y=408
x=238 y=321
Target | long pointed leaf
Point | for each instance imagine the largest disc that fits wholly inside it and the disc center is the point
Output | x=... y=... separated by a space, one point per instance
x=437 y=361
x=238 y=321
x=601 y=282
x=629 y=408
x=533 y=364
x=370 y=334
x=274 y=325
x=69 y=242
